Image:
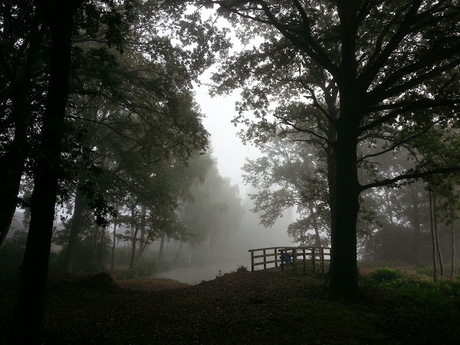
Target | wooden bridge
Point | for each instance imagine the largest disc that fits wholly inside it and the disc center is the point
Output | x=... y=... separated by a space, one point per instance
x=273 y=257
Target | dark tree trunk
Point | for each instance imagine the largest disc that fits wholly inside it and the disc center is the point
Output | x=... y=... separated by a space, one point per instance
x=12 y=162
x=162 y=245
x=415 y=220
x=75 y=229
x=133 y=249
x=114 y=244
x=344 y=203
x=436 y=235
x=342 y=170
x=453 y=254
x=29 y=309
x=101 y=250
x=433 y=237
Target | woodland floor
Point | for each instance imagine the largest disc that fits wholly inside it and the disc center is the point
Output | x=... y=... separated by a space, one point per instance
x=236 y=308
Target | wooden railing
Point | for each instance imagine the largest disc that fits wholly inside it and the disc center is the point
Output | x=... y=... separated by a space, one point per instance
x=272 y=257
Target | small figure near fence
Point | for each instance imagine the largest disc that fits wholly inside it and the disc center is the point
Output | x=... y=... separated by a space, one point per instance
x=273 y=257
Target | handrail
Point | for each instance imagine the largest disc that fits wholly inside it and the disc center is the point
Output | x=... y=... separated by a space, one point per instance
x=272 y=257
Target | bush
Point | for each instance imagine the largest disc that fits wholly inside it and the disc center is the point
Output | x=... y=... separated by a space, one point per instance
x=242 y=268
x=386 y=274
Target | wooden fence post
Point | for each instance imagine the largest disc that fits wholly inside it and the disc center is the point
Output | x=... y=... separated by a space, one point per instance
x=322 y=259
x=313 y=259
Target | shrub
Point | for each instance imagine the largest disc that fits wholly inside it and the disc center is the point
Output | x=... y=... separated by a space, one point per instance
x=386 y=274
x=242 y=268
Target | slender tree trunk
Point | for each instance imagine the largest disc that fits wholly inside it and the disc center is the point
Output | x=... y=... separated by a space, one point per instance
x=75 y=229
x=100 y=251
x=179 y=251
x=94 y=248
x=112 y=263
x=134 y=231
x=133 y=249
x=415 y=220
x=143 y=240
x=436 y=233
x=315 y=226
x=433 y=237
x=162 y=245
x=142 y=247
x=29 y=309
x=453 y=257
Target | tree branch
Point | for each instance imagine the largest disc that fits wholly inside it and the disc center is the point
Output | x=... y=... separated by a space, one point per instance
x=410 y=176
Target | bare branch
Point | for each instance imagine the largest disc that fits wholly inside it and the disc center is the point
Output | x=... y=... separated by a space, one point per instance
x=410 y=175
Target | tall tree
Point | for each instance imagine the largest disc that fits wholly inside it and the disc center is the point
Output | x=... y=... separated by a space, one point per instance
x=29 y=310
x=21 y=80
x=212 y=208
x=354 y=71
x=288 y=175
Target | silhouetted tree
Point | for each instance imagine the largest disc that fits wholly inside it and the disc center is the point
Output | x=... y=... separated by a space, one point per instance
x=343 y=73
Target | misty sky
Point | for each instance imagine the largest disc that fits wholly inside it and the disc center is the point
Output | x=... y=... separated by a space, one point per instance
x=227 y=147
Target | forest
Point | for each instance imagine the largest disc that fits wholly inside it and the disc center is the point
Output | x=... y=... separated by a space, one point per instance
x=106 y=164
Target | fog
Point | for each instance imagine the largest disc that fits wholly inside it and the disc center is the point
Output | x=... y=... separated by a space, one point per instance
x=229 y=252
x=232 y=250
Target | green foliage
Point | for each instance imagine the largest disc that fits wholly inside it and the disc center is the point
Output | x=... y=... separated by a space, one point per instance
x=386 y=274
x=143 y=269
x=212 y=207
x=354 y=325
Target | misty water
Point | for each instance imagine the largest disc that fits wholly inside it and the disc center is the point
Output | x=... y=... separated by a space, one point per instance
x=231 y=251
x=195 y=274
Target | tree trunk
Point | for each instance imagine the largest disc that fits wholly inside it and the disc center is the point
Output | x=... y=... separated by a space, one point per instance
x=112 y=263
x=12 y=162
x=344 y=204
x=75 y=229
x=29 y=309
x=142 y=247
x=315 y=224
x=415 y=220
x=433 y=237
x=453 y=256
x=162 y=245
x=133 y=249
x=436 y=234
x=100 y=251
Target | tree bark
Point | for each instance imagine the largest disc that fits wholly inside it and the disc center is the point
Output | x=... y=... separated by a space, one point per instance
x=134 y=231
x=112 y=263
x=415 y=220
x=12 y=162
x=75 y=229
x=453 y=254
x=344 y=204
x=29 y=308
x=433 y=237
x=436 y=234
x=162 y=245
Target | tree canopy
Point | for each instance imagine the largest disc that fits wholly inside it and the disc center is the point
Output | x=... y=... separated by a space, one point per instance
x=340 y=75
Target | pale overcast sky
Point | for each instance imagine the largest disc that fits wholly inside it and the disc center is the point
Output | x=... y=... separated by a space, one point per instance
x=227 y=146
